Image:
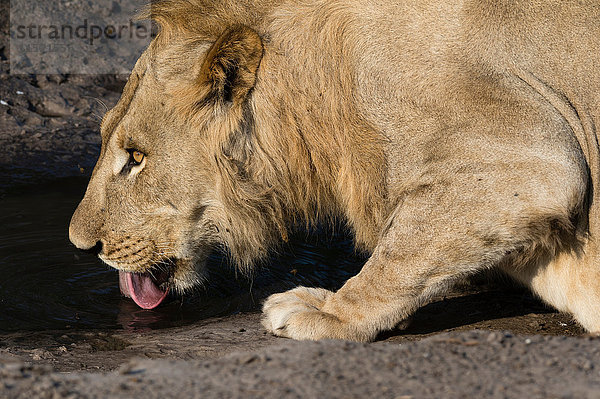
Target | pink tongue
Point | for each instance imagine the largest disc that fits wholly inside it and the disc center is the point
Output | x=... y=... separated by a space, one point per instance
x=142 y=289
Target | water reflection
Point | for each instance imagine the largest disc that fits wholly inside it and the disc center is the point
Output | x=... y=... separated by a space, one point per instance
x=45 y=283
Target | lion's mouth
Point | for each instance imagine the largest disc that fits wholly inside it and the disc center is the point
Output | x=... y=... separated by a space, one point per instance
x=147 y=290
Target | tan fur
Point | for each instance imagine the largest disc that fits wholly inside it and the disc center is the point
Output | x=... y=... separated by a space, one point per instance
x=453 y=136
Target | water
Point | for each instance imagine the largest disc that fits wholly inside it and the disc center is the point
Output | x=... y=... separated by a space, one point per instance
x=47 y=284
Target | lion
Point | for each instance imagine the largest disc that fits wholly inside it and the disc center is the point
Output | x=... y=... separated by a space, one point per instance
x=452 y=137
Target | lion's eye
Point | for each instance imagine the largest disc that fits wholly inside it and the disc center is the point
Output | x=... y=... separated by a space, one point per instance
x=136 y=157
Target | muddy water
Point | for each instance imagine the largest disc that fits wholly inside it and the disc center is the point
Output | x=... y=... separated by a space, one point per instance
x=45 y=283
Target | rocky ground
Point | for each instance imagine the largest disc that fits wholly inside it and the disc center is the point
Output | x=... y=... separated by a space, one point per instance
x=49 y=129
x=49 y=123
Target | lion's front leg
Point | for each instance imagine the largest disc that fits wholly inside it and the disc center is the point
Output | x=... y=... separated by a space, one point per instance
x=299 y=314
x=357 y=312
x=411 y=264
x=434 y=238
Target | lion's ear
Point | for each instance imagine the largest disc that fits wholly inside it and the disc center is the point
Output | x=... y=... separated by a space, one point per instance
x=231 y=64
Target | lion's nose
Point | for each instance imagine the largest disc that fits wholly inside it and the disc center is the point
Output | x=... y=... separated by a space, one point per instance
x=84 y=229
x=82 y=240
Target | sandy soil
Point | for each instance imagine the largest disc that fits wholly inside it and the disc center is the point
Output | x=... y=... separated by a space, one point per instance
x=49 y=128
x=449 y=365
x=458 y=346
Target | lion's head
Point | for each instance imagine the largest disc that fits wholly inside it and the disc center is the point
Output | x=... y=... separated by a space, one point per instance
x=152 y=207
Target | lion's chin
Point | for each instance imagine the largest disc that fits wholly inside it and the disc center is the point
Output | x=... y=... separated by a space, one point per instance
x=147 y=290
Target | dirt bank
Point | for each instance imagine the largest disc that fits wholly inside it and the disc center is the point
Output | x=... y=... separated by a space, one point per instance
x=471 y=364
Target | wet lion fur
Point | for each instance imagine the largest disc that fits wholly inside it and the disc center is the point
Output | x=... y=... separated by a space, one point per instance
x=452 y=136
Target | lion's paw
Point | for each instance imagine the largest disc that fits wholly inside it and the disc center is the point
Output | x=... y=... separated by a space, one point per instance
x=296 y=314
